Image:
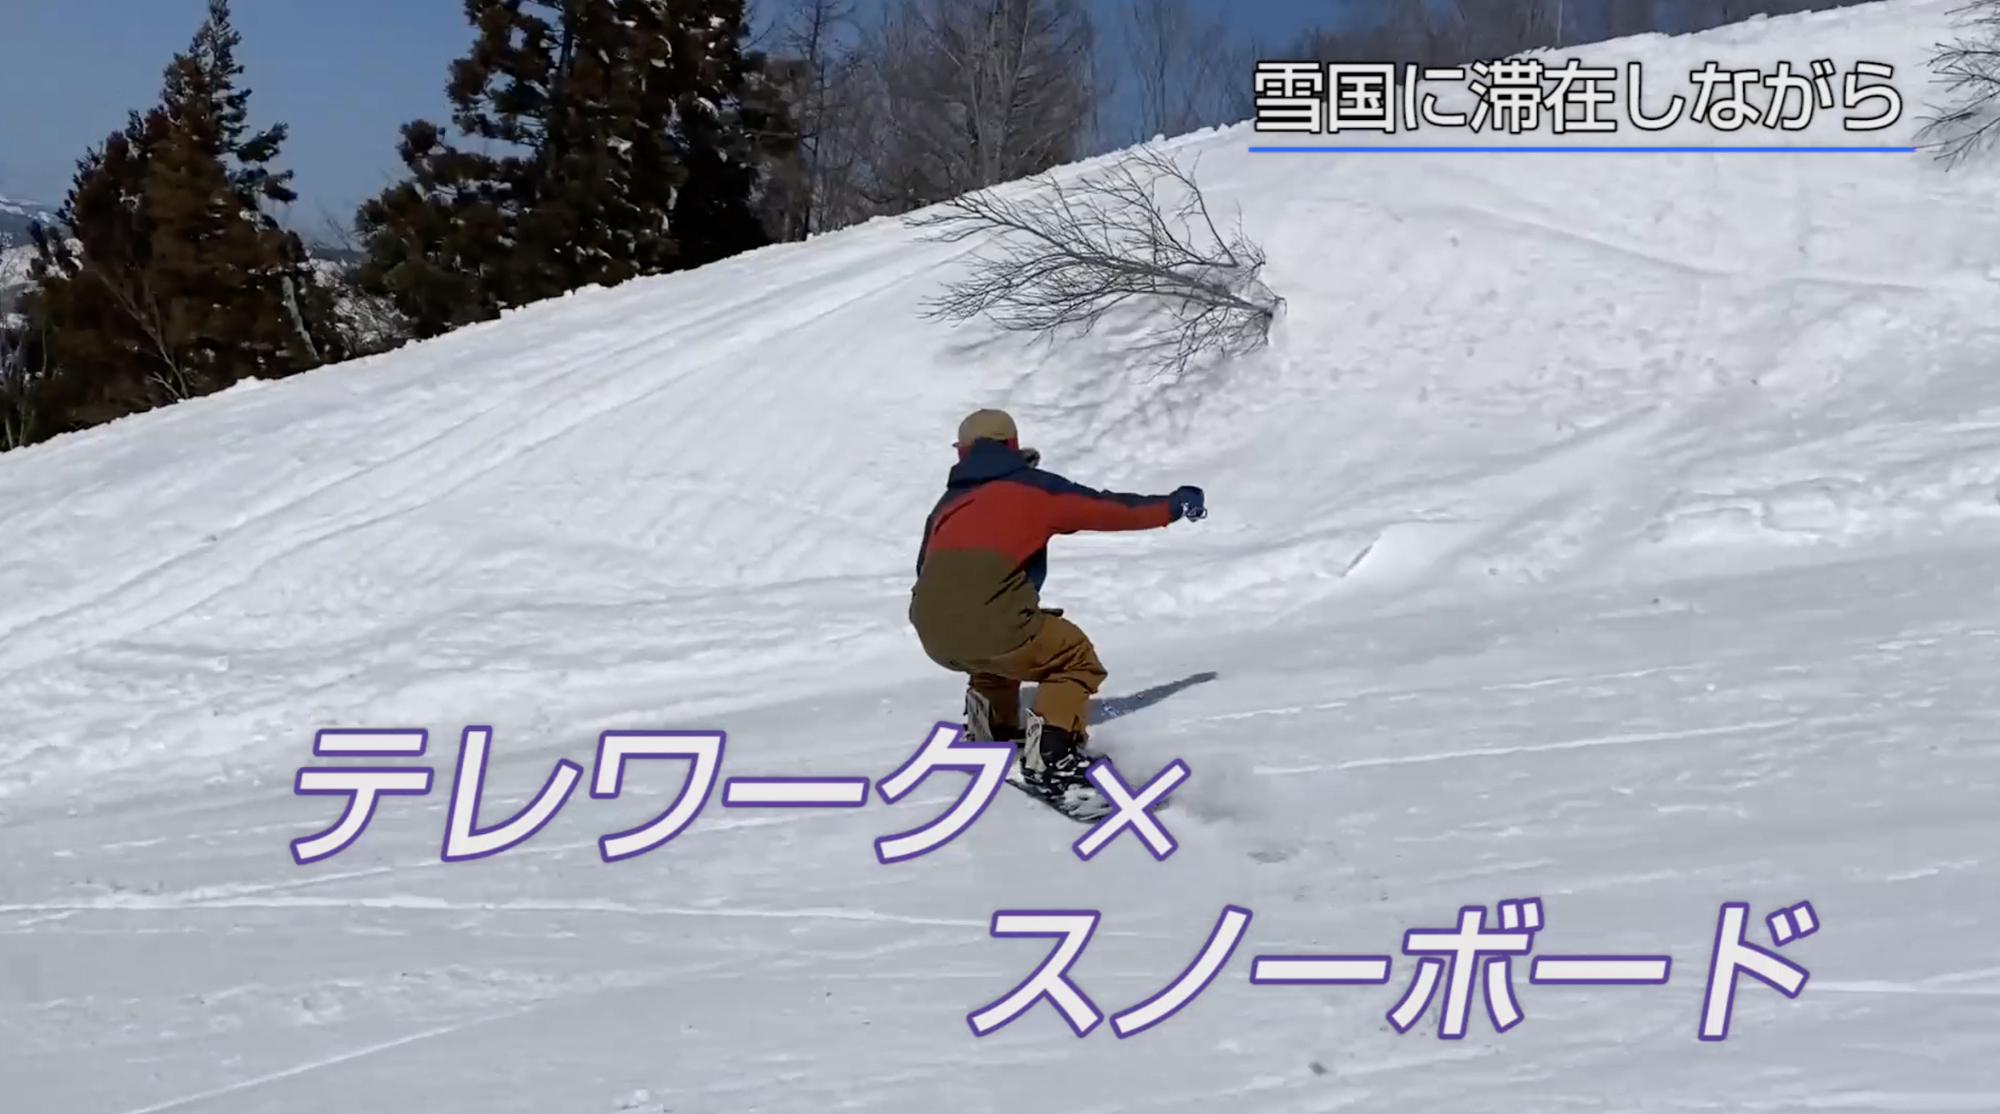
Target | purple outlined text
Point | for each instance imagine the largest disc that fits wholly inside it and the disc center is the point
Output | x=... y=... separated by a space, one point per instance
x=694 y=759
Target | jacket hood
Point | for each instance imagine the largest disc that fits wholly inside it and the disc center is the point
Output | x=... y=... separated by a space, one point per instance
x=986 y=461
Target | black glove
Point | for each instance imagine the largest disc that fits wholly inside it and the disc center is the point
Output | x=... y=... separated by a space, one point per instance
x=1187 y=503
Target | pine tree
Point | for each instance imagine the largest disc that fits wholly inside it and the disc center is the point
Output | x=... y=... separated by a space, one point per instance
x=579 y=195
x=179 y=283
x=730 y=122
x=606 y=177
x=591 y=173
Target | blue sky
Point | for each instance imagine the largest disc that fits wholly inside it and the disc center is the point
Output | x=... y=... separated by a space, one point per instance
x=345 y=75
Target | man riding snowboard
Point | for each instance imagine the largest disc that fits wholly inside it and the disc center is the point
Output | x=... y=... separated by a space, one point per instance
x=977 y=607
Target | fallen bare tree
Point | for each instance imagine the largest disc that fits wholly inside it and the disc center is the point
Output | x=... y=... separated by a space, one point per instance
x=1970 y=69
x=1067 y=255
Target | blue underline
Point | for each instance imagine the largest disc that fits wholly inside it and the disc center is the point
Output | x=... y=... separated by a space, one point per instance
x=1581 y=149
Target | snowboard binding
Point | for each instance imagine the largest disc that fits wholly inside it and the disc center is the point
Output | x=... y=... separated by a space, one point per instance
x=1049 y=763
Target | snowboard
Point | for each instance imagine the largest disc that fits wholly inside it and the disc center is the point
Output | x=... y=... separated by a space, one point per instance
x=979 y=729
x=1083 y=812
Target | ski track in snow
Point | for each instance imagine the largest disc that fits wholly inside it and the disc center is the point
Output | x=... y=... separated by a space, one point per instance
x=1617 y=531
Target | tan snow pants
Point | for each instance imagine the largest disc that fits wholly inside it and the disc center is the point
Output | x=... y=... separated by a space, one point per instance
x=1059 y=659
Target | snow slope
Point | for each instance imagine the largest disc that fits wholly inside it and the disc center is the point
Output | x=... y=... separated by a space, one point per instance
x=1616 y=530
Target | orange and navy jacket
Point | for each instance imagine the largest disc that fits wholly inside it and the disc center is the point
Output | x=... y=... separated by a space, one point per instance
x=985 y=549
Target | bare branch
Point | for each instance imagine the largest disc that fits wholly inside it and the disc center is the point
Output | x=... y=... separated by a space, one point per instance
x=143 y=309
x=1068 y=255
x=1971 y=66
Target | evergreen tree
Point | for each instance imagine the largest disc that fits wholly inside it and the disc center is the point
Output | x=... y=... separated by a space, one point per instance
x=439 y=244
x=577 y=194
x=731 y=125
x=587 y=172
x=178 y=282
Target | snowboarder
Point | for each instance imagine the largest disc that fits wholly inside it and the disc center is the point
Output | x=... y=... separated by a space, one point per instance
x=976 y=605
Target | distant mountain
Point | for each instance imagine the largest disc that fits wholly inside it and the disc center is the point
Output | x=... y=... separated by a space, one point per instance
x=16 y=216
x=370 y=322
x=17 y=250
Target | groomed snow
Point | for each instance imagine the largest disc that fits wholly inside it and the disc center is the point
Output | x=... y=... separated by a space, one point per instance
x=1614 y=530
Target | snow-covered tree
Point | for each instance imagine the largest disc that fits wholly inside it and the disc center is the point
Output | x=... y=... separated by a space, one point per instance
x=610 y=139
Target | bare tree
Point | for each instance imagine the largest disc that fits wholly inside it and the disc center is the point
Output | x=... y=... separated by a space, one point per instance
x=1240 y=99
x=971 y=93
x=817 y=68
x=365 y=324
x=1503 y=28
x=1181 y=64
x=1628 y=17
x=1465 y=31
x=1070 y=255
x=1970 y=65
x=1101 y=85
x=24 y=367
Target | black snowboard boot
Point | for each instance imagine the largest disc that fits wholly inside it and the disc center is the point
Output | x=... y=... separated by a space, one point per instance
x=1055 y=761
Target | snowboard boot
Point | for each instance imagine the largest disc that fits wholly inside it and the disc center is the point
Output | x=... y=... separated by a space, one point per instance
x=1054 y=763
